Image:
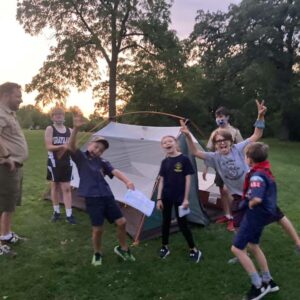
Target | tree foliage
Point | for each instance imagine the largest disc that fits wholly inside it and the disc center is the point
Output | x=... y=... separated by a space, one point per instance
x=87 y=32
x=253 y=52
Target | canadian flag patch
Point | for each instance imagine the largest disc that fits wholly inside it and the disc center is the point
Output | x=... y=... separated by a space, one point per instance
x=256 y=182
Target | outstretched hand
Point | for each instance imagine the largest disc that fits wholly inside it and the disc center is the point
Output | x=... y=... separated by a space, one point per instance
x=261 y=108
x=184 y=129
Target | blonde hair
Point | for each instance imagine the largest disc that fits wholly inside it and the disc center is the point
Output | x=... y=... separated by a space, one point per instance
x=172 y=137
x=57 y=109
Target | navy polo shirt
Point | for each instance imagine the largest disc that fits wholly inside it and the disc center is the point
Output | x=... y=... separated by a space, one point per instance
x=263 y=187
x=174 y=170
x=91 y=172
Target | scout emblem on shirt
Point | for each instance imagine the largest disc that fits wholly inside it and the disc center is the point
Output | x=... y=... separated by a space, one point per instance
x=178 y=167
x=256 y=182
x=231 y=170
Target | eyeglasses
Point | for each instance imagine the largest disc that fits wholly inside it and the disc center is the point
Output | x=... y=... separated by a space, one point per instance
x=221 y=141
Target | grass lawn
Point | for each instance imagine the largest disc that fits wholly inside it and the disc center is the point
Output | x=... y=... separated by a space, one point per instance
x=55 y=262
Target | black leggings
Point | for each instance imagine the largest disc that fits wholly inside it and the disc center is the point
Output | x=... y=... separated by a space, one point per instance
x=182 y=223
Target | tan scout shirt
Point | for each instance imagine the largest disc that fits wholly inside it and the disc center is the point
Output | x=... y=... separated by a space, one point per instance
x=12 y=138
x=236 y=136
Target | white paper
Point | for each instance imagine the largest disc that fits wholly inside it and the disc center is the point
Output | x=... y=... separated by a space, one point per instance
x=183 y=211
x=139 y=201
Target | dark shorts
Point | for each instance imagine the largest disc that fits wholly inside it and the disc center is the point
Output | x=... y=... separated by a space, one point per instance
x=62 y=172
x=219 y=181
x=99 y=208
x=237 y=211
x=277 y=217
x=10 y=188
x=250 y=229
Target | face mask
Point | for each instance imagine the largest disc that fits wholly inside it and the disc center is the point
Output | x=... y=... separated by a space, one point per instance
x=222 y=122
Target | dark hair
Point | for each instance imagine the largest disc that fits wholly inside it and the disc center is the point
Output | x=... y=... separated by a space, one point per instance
x=222 y=111
x=8 y=88
x=258 y=152
x=225 y=133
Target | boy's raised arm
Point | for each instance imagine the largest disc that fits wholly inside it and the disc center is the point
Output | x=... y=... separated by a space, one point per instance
x=196 y=152
x=78 y=121
x=260 y=122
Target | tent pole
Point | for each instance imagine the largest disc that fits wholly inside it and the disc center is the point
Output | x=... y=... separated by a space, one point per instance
x=137 y=236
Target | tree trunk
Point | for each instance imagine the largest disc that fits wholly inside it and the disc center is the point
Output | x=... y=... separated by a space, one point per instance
x=112 y=90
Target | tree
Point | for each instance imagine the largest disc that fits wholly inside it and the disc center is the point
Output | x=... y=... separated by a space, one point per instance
x=32 y=117
x=253 y=51
x=86 y=32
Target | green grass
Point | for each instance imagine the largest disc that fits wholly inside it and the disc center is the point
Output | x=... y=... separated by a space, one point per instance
x=55 y=262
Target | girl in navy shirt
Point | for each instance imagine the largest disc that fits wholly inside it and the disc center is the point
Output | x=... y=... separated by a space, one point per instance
x=173 y=190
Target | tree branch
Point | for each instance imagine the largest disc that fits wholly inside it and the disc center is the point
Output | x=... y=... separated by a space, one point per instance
x=95 y=37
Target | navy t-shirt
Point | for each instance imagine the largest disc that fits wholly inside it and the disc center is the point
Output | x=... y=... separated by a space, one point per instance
x=263 y=187
x=91 y=172
x=174 y=170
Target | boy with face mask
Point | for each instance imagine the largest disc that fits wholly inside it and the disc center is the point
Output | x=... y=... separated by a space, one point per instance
x=222 y=120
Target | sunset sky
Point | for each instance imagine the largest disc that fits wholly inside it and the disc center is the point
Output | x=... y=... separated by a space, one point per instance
x=21 y=55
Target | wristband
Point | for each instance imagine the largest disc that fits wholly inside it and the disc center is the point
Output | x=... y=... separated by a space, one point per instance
x=259 y=124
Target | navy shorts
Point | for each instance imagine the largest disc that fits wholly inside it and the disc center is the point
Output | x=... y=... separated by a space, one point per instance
x=99 y=208
x=62 y=172
x=250 y=230
x=219 y=181
x=277 y=217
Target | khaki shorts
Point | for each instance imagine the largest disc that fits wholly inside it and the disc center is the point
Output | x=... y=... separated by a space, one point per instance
x=11 y=188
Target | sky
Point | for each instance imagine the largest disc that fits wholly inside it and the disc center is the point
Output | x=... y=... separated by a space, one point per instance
x=21 y=55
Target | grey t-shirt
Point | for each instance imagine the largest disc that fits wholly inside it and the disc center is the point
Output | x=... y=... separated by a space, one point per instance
x=231 y=167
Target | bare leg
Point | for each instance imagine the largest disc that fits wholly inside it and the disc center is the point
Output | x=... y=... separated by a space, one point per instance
x=287 y=225
x=244 y=259
x=259 y=256
x=5 y=225
x=121 y=233
x=55 y=195
x=226 y=200
x=97 y=238
x=66 y=193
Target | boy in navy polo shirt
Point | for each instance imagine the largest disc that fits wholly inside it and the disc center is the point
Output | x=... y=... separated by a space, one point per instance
x=100 y=202
x=260 y=196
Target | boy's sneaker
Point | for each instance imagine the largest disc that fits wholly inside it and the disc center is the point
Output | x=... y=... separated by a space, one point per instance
x=195 y=256
x=125 y=255
x=97 y=260
x=230 y=226
x=233 y=261
x=222 y=220
x=5 y=250
x=71 y=220
x=13 y=239
x=257 y=293
x=164 y=252
x=273 y=286
x=55 y=217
